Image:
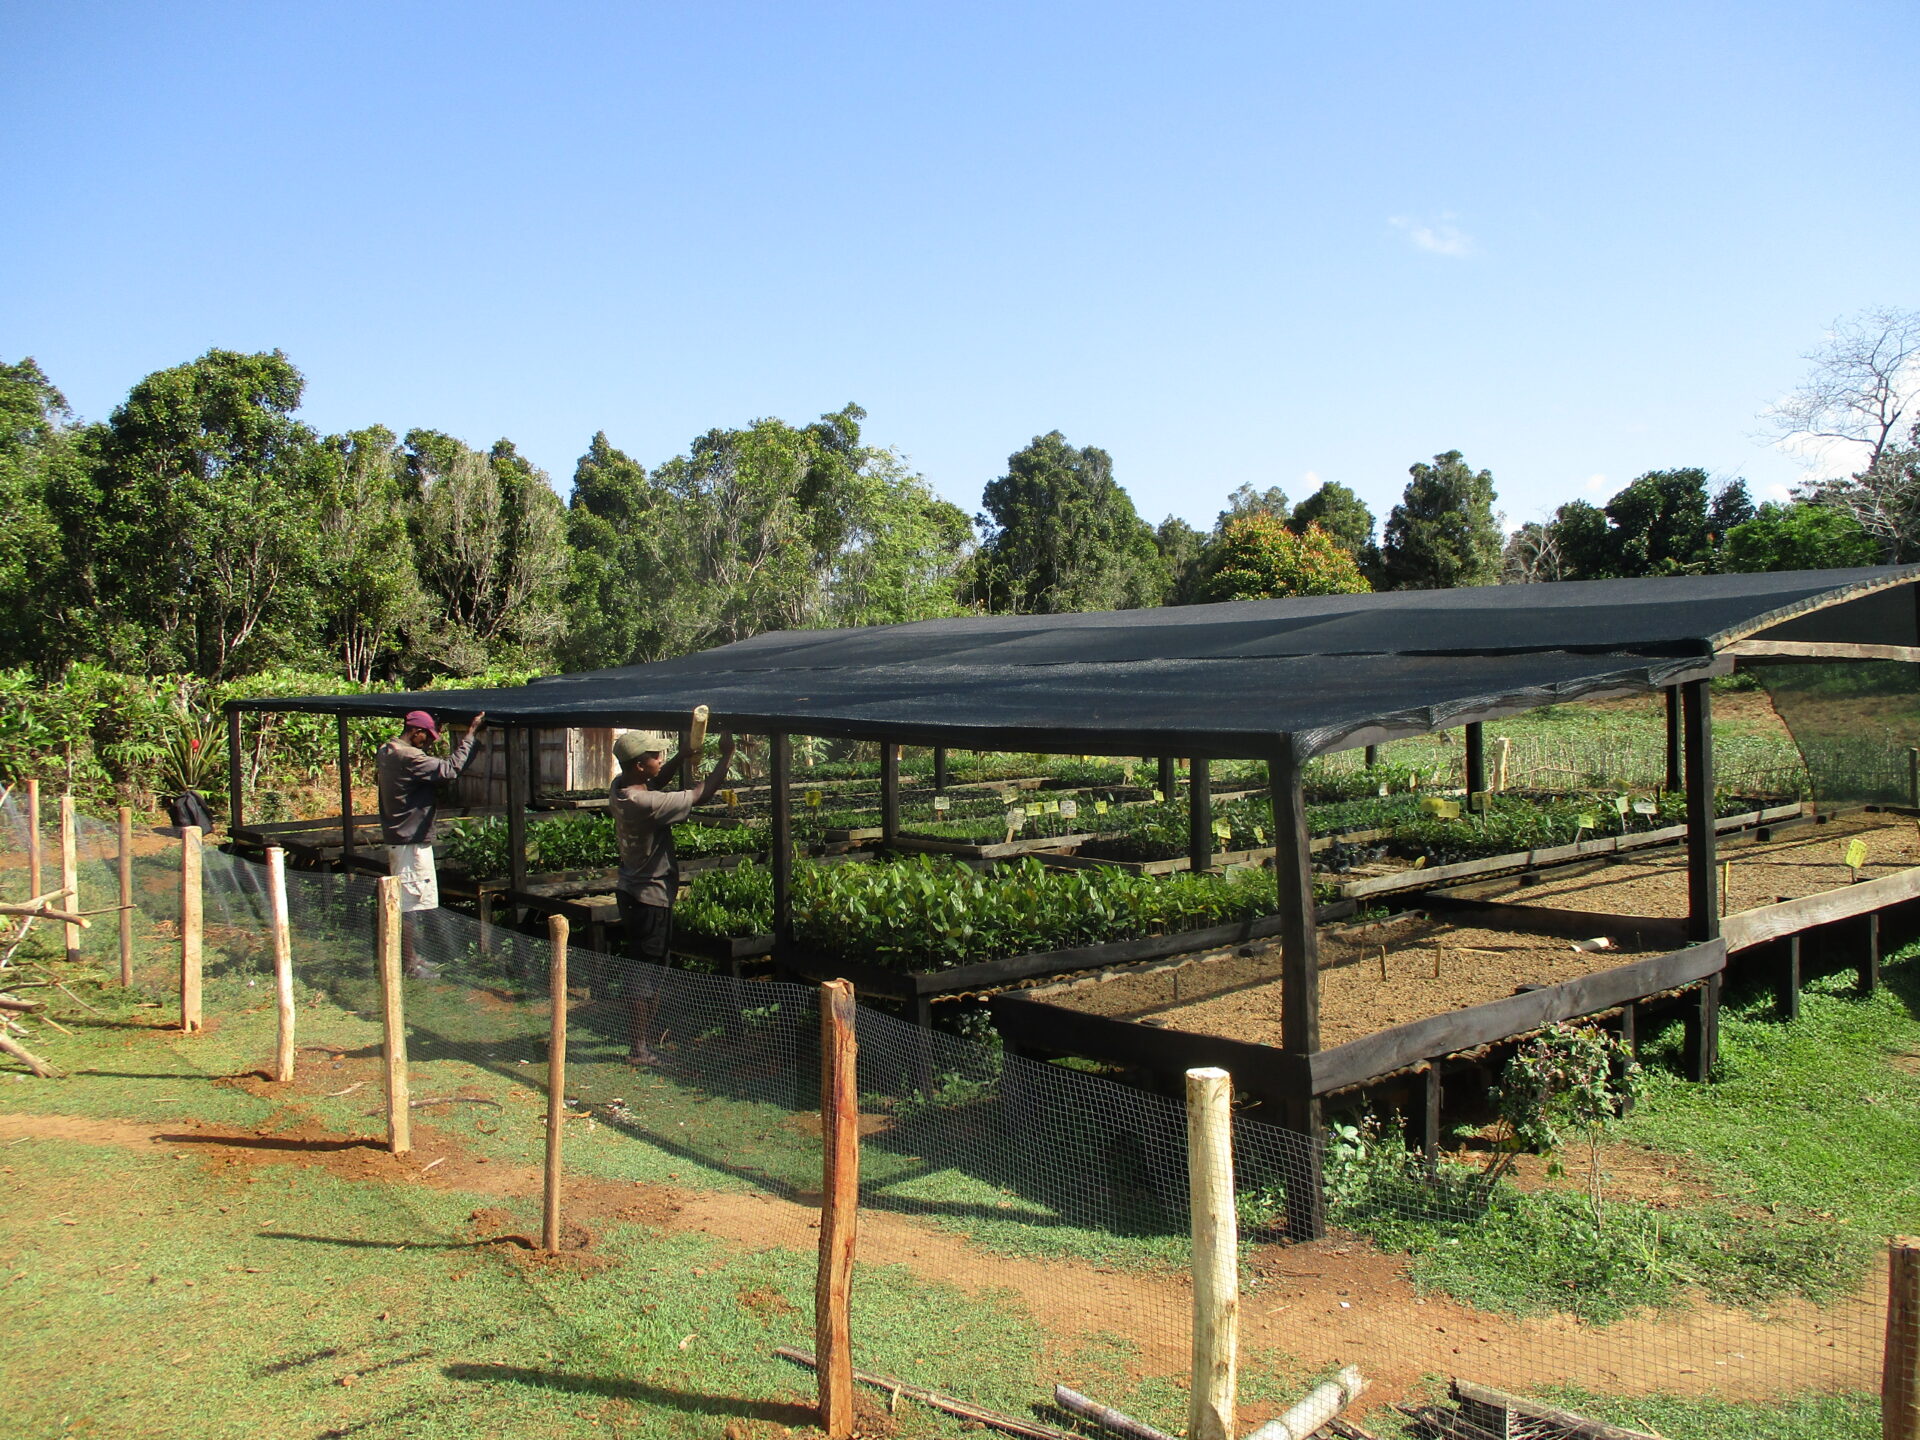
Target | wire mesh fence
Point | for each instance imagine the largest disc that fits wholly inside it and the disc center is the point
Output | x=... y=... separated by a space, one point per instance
x=1032 y=1205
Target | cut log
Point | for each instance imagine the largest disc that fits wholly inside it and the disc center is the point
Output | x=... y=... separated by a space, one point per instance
x=25 y=1056
x=47 y=912
x=1577 y=1427
x=12 y=1002
x=1313 y=1410
x=1074 y=1403
x=965 y=1409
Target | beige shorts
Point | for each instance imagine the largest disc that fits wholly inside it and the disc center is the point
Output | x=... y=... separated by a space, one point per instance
x=419 y=885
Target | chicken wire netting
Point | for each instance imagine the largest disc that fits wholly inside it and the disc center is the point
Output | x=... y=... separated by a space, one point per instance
x=1035 y=1206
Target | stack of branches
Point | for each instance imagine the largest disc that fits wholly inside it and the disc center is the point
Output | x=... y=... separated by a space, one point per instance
x=13 y=1008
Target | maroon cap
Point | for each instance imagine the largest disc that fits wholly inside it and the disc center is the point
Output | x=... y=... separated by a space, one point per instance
x=420 y=720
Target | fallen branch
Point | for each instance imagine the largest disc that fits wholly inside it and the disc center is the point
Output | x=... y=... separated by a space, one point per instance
x=61 y=987
x=1073 y=1402
x=25 y=1007
x=47 y=912
x=446 y=1100
x=965 y=1409
x=25 y=1056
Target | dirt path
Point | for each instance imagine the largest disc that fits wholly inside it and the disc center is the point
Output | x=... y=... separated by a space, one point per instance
x=1338 y=1301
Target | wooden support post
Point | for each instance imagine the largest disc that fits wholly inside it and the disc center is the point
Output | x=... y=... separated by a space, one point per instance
x=1433 y=1093
x=1870 y=956
x=889 y=792
x=125 y=828
x=516 y=809
x=1199 y=816
x=1703 y=877
x=394 y=1010
x=1900 y=1368
x=1476 y=759
x=70 y=873
x=1630 y=1043
x=1299 y=983
x=344 y=739
x=190 y=901
x=1370 y=757
x=1169 y=782
x=839 y=1207
x=484 y=903
x=939 y=768
x=780 y=804
x=35 y=866
x=235 y=799
x=1702 y=1023
x=1787 y=986
x=1216 y=1260
x=1676 y=773
x=282 y=961
x=556 y=1081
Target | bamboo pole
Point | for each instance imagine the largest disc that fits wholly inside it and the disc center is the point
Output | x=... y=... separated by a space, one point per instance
x=35 y=877
x=190 y=921
x=1310 y=1414
x=282 y=960
x=70 y=872
x=839 y=1207
x=1900 y=1373
x=556 y=1082
x=393 y=1006
x=126 y=895
x=1105 y=1416
x=1216 y=1293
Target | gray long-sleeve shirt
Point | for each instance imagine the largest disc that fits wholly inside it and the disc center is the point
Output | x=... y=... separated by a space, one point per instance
x=409 y=782
x=643 y=821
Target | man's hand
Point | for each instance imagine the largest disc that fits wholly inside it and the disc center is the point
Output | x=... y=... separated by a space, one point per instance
x=473 y=725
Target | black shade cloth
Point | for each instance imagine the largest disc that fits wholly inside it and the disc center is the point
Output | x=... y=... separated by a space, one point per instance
x=1324 y=672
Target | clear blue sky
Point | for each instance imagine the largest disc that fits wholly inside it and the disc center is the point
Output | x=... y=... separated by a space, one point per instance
x=1226 y=243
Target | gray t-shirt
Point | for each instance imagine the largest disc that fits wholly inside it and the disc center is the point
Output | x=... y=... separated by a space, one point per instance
x=643 y=821
x=409 y=781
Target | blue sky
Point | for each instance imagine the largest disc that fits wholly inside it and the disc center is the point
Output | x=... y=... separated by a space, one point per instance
x=1265 y=243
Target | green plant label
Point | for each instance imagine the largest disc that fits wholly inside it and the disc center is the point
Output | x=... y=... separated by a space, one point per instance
x=1477 y=802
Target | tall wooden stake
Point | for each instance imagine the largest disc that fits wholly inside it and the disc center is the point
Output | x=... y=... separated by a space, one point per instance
x=839 y=1208
x=344 y=741
x=1476 y=758
x=516 y=812
x=1216 y=1275
x=126 y=894
x=190 y=900
x=1900 y=1373
x=70 y=873
x=1703 y=899
x=1199 y=816
x=1676 y=772
x=780 y=802
x=556 y=1082
x=282 y=961
x=393 y=1005
x=34 y=865
x=889 y=792
x=236 y=800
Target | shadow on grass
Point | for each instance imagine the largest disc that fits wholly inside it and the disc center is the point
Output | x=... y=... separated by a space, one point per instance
x=351 y=1243
x=274 y=1142
x=695 y=1402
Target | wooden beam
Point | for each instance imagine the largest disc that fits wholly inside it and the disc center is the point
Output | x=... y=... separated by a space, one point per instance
x=282 y=937
x=126 y=895
x=1676 y=768
x=235 y=798
x=516 y=750
x=70 y=874
x=344 y=743
x=1870 y=955
x=1199 y=816
x=35 y=865
x=889 y=792
x=191 y=900
x=1748 y=928
x=1703 y=878
x=1575 y=1427
x=1476 y=758
x=780 y=804
x=1787 y=985
x=1820 y=650
x=1169 y=780
x=1293 y=876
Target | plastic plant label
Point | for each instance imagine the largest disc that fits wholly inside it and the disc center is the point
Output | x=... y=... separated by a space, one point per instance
x=1052 y=807
x=1016 y=813
x=1222 y=830
x=1383 y=787
x=1099 y=807
x=1856 y=853
x=1069 y=809
x=1586 y=822
x=1620 y=804
x=1441 y=809
x=1645 y=807
x=941 y=802
x=1477 y=802
x=813 y=799
x=730 y=797
x=1158 y=797
x=1259 y=836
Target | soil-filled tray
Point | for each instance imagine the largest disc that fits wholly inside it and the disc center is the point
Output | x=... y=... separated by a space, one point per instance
x=1238 y=998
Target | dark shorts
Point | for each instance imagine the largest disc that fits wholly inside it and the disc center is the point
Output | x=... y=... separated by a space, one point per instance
x=647 y=931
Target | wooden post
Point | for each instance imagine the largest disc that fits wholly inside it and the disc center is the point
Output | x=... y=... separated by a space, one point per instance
x=1370 y=757
x=1787 y=995
x=235 y=816
x=1299 y=982
x=70 y=874
x=1900 y=1372
x=1476 y=759
x=1870 y=957
x=1434 y=1093
x=556 y=1082
x=1168 y=780
x=485 y=906
x=780 y=803
x=345 y=744
x=939 y=768
x=1676 y=775
x=516 y=810
x=126 y=894
x=1630 y=1044
x=1703 y=899
x=889 y=792
x=34 y=863
x=1500 y=766
x=1702 y=1031
x=839 y=1207
x=1199 y=816
x=190 y=900
x=1216 y=1274
x=282 y=960
x=394 y=1010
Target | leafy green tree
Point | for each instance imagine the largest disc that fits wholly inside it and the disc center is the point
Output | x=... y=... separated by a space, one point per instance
x=1731 y=506
x=1443 y=533
x=367 y=585
x=1801 y=536
x=1182 y=560
x=611 y=539
x=1583 y=541
x=1339 y=512
x=1245 y=500
x=1658 y=524
x=1062 y=535
x=901 y=548
x=194 y=540
x=1884 y=498
x=40 y=447
x=1259 y=557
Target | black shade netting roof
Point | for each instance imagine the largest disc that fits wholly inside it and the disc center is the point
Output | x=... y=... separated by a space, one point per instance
x=1327 y=671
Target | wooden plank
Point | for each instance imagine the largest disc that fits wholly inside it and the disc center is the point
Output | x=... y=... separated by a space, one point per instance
x=1293 y=878
x=282 y=938
x=1822 y=650
x=1439 y=1035
x=1748 y=928
x=1550 y=920
x=125 y=819
x=236 y=792
x=1476 y=732
x=191 y=901
x=1900 y=1365
x=933 y=845
x=889 y=791
x=344 y=745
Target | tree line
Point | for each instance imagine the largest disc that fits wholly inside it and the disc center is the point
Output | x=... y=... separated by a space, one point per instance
x=203 y=530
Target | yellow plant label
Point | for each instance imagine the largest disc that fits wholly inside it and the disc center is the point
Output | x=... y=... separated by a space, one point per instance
x=1158 y=797
x=1856 y=854
x=1585 y=822
x=813 y=799
x=730 y=797
x=1099 y=807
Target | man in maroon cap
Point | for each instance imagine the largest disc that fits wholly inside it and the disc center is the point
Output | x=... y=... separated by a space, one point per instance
x=409 y=781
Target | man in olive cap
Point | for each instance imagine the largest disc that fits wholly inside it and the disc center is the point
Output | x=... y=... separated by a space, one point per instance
x=409 y=781
x=644 y=814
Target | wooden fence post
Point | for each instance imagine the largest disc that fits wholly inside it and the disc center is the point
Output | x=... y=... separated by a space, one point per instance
x=839 y=1207
x=126 y=894
x=393 y=1005
x=70 y=873
x=35 y=869
x=282 y=960
x=190 y=902
x=1900 y=1372
x=556 y=1082
x=1216 y=1275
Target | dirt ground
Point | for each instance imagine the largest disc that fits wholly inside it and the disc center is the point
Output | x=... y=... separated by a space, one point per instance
x=1430 y=968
